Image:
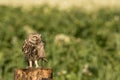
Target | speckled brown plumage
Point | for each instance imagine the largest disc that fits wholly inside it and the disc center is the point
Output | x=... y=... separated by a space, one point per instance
x=33 y=49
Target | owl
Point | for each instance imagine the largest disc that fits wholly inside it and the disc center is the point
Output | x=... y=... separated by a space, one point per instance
x=33 y=49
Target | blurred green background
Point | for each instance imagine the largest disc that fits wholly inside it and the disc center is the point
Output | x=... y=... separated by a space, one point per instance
x=79 y=44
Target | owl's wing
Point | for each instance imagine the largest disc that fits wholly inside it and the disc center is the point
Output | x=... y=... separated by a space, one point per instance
x=41 y=51
x=25 y=47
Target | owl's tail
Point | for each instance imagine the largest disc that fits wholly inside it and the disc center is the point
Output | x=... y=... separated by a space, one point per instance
x=44 y=59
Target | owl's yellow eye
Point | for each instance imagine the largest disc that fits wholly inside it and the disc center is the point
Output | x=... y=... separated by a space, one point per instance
x=35 y=37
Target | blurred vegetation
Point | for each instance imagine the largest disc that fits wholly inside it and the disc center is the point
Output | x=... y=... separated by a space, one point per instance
x=80 y=45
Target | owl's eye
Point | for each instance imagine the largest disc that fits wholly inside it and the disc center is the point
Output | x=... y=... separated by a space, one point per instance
x=35 y=37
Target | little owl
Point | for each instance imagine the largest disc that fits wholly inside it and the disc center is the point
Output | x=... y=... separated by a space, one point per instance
x=33 y=49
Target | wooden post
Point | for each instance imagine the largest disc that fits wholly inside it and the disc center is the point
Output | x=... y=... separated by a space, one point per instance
x=33 y=74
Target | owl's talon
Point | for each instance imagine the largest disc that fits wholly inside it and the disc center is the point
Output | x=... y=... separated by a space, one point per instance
x=30 y=64
x=36 y=64
x=29 y=67
x=37 y=67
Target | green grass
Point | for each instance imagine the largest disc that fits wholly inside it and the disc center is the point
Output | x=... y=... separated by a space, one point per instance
x=88 y=38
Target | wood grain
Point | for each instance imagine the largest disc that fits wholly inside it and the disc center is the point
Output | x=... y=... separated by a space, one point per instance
x=33 y=74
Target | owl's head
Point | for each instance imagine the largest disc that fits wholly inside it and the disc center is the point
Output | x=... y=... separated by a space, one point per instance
x=34 y=38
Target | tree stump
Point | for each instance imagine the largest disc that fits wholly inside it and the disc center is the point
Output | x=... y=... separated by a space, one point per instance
x=33 y=74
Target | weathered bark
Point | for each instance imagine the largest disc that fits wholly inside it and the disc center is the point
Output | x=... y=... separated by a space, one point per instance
x=33 y=74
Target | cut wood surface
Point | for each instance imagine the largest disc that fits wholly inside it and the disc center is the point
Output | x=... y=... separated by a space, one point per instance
x=33 y=74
